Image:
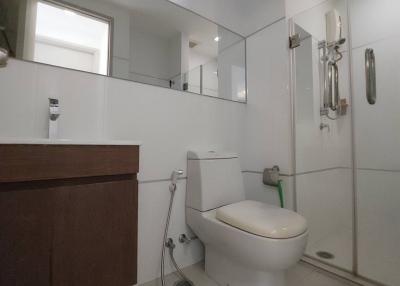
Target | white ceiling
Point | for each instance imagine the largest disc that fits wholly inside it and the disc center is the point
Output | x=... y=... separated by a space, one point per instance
x=241 y=16
x=164 y=19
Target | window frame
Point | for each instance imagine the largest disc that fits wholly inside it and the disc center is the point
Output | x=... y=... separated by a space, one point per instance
x=95 y=15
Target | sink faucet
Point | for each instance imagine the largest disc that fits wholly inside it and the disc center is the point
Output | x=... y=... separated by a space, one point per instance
x=54 y=114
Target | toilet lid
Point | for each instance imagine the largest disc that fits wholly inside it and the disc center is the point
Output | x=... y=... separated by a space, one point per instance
x=263 y=219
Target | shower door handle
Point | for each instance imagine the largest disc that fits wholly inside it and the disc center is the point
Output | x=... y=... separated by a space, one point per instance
x=370 y=76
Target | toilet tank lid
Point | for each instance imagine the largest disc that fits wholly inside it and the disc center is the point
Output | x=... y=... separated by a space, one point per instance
x=208 y=155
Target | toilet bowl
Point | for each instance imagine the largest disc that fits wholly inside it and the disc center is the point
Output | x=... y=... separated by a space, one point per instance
x=246 y=242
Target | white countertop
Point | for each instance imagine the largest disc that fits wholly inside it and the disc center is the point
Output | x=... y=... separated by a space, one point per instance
x=44 y=141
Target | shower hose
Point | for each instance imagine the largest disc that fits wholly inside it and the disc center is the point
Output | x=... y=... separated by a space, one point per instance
x=168 y=243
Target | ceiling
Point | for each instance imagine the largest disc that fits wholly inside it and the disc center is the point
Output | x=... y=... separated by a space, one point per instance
x=164 y=19
x=244 y=17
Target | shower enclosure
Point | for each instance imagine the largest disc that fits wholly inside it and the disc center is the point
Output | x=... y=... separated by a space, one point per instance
x=348 y=154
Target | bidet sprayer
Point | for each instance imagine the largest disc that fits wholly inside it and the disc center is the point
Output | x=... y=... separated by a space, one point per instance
x=3 y=57
x=174 y=179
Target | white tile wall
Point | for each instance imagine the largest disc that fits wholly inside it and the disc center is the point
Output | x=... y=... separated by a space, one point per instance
x=26 y=88
x=268 y=121
x=373 y=20
x=18 y=97
x=257 y=191
x=294 y=7
x=81 y=98
x=169 y=123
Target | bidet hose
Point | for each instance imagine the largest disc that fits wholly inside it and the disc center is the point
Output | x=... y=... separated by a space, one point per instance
x=166 y=235
x=166 y=243
x=179 y=271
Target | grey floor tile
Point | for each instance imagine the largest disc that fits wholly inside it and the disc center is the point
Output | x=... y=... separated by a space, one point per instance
x=298 y=274
x=302 y=274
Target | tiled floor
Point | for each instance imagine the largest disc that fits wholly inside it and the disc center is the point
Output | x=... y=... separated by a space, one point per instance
x=195 y=273
x=301 y=275
x=306 y=275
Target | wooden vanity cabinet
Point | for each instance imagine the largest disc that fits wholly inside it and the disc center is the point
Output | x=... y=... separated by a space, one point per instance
x=68 y=215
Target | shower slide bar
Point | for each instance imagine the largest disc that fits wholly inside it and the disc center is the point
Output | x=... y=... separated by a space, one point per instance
x=333 y=86
x=330 y=55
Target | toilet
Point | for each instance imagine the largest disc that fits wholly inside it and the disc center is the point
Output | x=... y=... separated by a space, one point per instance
x=246 y=242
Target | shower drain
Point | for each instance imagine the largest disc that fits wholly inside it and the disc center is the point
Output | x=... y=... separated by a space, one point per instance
x=325 y=255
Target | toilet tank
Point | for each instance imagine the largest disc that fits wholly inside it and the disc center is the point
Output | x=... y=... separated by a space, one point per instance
x=214 y=180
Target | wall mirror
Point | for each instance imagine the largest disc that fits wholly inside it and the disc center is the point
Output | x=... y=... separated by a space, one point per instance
x=149 y=41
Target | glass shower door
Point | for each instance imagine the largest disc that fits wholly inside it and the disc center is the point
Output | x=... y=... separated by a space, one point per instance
x=353 y=211
x=375 y=30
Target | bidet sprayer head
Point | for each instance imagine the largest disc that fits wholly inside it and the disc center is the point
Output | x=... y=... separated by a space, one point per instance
x=174 y=179
x=3 y=57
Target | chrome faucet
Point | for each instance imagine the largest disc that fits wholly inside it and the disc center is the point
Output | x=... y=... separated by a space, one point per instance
x=54 y=114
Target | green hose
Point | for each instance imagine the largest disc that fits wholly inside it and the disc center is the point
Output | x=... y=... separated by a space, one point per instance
x=280 y=191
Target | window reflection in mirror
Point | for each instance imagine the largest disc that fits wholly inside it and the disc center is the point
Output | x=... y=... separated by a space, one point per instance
x=148 y=41
x=72 y=40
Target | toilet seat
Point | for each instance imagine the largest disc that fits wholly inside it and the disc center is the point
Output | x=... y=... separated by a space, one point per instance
x=262 y=219
x=254 y=251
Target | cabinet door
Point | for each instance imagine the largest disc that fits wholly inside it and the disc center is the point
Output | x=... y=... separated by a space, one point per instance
x=95 y=234
x=25 y=236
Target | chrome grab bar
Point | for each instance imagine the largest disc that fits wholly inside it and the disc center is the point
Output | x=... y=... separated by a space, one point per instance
x=333 y=85
x=370 y=76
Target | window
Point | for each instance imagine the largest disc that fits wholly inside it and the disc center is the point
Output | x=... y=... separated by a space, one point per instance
x=72 y=38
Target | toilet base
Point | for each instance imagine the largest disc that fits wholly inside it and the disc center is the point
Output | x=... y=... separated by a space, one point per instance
x=227 y=272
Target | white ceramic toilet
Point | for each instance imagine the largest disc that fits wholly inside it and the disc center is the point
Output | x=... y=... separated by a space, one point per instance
x=246 y=242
